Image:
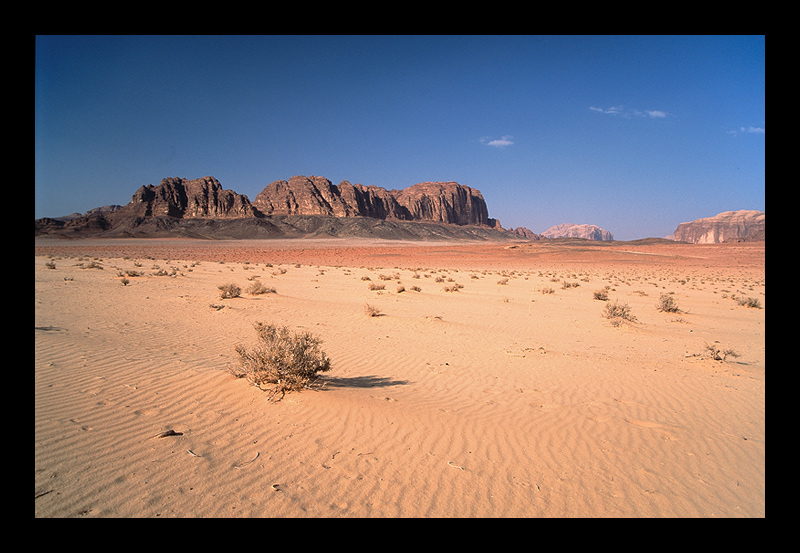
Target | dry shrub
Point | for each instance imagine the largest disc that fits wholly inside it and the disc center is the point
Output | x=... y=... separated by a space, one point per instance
x=257 y=288
x=667 y=304
x=601 y=295
x=618 y=312
x=229 y=291
x=372 y=311
x=718 y=354
x=749 y=302
x=286 y=360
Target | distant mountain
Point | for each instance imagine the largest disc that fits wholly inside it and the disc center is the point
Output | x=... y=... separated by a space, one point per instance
x=729 y=226
x=567 y=230
x=301 y=206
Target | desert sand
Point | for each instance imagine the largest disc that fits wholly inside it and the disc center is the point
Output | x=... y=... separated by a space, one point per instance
x=509 y=396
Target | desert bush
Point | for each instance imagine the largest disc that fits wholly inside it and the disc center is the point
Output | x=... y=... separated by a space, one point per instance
x=667 y=304
x=618 y=312
x=749 y=302
x=371 y=310
x=374 y=286
x=257 y=288
x=229 y=291
x=50 y=264
x=601 y=295
x=286 y=360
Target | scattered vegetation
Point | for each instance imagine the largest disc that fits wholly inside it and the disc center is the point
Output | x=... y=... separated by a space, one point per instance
x=372 y=311
x=454 y=288
x=282 y=361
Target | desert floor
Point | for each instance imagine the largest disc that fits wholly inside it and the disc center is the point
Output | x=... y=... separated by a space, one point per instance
x=510 y=396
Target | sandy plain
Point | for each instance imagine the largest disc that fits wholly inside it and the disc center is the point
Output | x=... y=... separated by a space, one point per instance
x=512 y=396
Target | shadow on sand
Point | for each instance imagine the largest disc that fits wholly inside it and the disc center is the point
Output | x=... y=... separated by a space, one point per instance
x=362 y=382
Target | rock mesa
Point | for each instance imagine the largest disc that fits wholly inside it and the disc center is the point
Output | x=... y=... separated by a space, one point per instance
x=568 y=230
x=729 y=226
x=441 y=202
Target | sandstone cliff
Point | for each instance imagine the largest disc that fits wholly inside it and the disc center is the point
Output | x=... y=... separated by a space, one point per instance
x=181 y=198
x=441 y=202
x=729 y=226
x=567 y=230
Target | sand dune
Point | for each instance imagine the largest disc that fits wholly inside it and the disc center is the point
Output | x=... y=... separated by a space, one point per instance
x=500 y=399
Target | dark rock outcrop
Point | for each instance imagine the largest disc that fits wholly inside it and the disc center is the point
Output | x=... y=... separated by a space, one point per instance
x=729 y=226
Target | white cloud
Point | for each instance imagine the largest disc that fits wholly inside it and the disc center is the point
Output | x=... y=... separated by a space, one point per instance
x=656 y=113
x=498 y=142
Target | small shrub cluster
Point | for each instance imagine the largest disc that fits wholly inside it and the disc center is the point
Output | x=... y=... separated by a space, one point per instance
x=718 y=354
x=286 y=360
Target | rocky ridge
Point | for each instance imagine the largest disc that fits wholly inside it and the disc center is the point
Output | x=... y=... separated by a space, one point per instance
x=301 y=206
x=728 y=226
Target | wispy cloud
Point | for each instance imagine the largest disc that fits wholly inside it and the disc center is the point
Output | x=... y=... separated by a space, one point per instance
x=498 y=142
x=747 y=130
x=615 y=110
x=623 y=111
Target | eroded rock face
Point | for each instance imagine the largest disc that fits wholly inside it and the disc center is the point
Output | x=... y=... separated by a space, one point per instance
x=195 y=198
x=568 y=230
x=442 y=202
x=729 y=226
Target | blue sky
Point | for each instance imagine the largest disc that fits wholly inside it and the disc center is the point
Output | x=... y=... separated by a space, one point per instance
x=635 y=134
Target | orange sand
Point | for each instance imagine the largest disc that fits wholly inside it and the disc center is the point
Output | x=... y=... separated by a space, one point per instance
x=497 y=400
